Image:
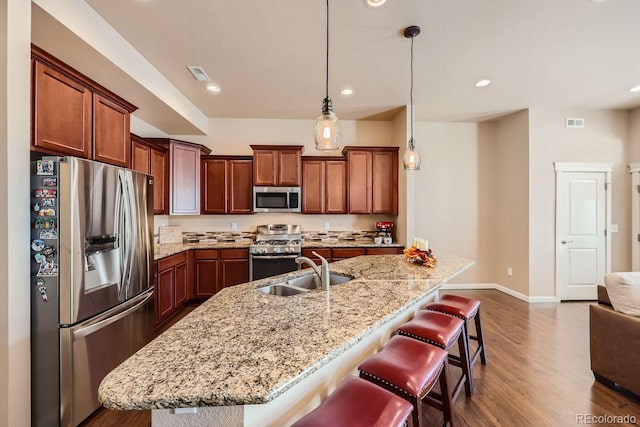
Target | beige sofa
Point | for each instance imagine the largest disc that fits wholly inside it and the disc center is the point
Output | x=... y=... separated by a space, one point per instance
x=614 y=345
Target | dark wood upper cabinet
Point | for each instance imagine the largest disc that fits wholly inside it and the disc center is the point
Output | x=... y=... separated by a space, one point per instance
x=324 y=185
x=227 y=185
x=373 y=180
x=61 y=113
x=313 y=185
x=111 y=141
x=277 y=165
x=240 y=186
x=335 y=187
x=73 y=115
x=153 y=159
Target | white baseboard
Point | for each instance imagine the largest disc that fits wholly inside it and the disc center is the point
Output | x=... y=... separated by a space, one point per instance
x=497 y=287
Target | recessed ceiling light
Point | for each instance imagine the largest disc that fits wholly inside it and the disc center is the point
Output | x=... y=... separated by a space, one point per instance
x=213 y=88
x=374 y=3
x=635 y=89
x=346 y=91
x=483 y=83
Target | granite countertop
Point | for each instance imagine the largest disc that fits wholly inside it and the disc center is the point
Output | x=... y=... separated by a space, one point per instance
x=243 y=346
x=166 y=249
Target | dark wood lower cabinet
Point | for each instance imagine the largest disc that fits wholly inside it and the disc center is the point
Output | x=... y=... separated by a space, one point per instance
x=337 y=254
x=171 y=285
x=215 y=269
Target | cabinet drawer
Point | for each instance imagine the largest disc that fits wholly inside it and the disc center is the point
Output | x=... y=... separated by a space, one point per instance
x=323 y=252
x=384 y=251
x=234 y=253
x=206 y=254
x=347 y=252
x=172 y=261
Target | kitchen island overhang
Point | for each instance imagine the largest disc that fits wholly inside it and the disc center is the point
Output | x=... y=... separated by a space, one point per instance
x=270 y=358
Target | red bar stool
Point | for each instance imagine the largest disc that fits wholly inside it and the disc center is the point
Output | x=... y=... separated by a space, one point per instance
x=358 y=403
x=466 y=309
x=410 y=369
x=443 y=331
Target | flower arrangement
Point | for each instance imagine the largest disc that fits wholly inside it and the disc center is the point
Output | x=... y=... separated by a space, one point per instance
x=424 y=258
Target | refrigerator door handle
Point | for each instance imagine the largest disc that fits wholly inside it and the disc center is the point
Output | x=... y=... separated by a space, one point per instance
x=120 y=225
x=89 y=327
x=131 y=233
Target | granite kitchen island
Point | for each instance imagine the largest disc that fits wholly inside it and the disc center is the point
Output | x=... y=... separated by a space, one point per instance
x=249 y=358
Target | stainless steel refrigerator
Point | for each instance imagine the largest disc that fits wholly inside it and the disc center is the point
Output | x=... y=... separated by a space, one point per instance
x=91 y=283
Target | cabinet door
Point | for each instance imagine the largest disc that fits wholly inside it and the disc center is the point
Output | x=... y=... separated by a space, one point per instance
x=185 y=179
x=313 y=186
x=234 y=267
x=323 y=252
x=214 y=186
x=61 y=113
x=165 y=294
x=111 y=137
x=359 y=182
x=181 y=283
x=289 y=168
x=384 y=188
x=264 y=167
x=159 y=169
x=335 y=187
x=141 y=158
x=206 y=277
x=240 y=186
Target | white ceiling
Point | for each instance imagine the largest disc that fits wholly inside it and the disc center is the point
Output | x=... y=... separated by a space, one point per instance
x=269 y=56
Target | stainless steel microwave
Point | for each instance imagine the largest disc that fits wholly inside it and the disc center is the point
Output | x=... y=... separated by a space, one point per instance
x=276 y=199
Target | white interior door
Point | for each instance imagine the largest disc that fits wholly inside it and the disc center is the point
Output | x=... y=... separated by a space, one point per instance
x=581 y=242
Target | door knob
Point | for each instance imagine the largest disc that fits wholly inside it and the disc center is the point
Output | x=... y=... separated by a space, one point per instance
x=564 y=242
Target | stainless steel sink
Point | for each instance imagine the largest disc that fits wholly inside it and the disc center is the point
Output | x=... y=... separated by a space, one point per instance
x=302 y=284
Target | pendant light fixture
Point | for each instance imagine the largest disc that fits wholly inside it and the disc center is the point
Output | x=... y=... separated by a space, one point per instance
x=327 y=130
x=411 y=158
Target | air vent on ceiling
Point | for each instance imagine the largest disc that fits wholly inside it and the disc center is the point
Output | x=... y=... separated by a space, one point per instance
x=199 y=73
x=575 y=123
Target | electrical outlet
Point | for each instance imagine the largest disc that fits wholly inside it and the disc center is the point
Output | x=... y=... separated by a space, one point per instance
x=327 y=226
x=234 y=226
x=509 y=271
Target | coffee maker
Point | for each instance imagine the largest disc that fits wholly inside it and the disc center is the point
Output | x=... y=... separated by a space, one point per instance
x=384 y=231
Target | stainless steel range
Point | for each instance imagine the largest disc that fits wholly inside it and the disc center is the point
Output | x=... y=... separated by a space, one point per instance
x=275 y=250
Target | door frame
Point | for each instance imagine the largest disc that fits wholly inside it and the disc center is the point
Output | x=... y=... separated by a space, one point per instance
x=634 y=169
x=597 y=167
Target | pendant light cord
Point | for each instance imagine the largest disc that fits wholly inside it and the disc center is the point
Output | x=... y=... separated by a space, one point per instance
x=327 y=81
x=411 y=96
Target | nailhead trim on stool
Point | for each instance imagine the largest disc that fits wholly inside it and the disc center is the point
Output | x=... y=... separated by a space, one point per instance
x=358 y=403
x=466 y=309
x=410 y=368
x=443 y=331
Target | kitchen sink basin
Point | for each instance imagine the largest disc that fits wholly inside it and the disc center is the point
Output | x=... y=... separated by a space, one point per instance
x=302 y=284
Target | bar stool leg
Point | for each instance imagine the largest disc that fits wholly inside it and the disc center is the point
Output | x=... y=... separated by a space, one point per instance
x=480 y=338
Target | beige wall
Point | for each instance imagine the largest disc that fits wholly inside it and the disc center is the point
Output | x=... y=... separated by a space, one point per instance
x=634 y=136
x=603 y=139
x=405 y=222
x=509 y=242
x=15 y=28
x=446 y=191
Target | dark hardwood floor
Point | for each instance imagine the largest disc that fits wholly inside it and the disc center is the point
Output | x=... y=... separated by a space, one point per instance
x=537 y=373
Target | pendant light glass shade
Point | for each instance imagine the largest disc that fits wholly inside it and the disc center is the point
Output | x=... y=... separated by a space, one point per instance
x=411 y=159
x=327 y=130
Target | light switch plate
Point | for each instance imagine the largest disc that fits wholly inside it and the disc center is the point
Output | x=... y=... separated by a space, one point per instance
x=234 y=226
x=614 y=228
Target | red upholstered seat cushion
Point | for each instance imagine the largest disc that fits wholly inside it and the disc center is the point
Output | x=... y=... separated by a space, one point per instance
x=433 y=327
x=358 y=403
x=409 y=365
x=455 y=305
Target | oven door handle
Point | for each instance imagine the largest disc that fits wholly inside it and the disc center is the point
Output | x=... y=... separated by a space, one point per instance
x=274 y=256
